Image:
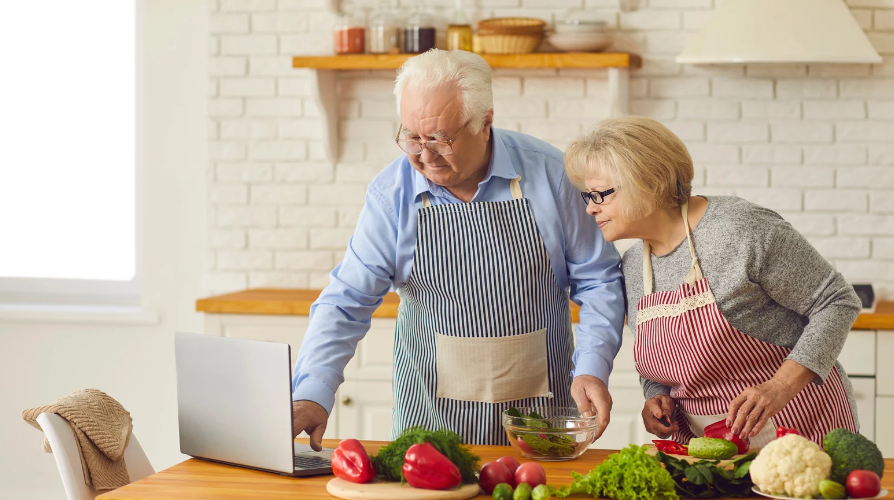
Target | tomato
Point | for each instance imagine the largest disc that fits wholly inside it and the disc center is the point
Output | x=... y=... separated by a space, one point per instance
x=531 y=473
x=863 y=484
x=782 y=431
x=511 y=463
x=524 y=447
x=492 y=474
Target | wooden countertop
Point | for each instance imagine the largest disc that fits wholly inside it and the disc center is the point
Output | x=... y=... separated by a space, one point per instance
x=197 y=479
x=295 y=302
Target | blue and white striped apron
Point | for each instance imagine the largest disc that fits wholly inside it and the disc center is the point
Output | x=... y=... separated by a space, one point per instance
x=480 y=271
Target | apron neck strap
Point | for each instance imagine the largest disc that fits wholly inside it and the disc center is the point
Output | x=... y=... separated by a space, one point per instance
x=514 y=188
x=695 y=271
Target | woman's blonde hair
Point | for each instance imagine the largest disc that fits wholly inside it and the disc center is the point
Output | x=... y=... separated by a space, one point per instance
x=647 y=164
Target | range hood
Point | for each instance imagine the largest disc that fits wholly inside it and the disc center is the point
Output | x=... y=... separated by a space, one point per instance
x=780 y=31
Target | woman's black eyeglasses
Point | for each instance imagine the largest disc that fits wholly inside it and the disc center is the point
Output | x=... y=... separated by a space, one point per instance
x=596 y=197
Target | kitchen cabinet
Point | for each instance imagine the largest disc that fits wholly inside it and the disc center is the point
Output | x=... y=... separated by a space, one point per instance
x=363 y=402
x=864 y=395
x=884 y=432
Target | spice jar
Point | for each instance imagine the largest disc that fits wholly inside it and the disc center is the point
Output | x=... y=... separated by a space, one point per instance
x=384 y=31
x=459 y=32
x=419 y=33
x=350 y=32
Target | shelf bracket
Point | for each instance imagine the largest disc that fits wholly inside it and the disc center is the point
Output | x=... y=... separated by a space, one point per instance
x=619 y=90
x=324 y=94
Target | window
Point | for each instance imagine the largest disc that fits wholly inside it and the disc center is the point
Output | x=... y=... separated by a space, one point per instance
x=68 y=174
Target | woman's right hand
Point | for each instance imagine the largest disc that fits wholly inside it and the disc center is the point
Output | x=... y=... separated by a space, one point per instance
x=656 y=409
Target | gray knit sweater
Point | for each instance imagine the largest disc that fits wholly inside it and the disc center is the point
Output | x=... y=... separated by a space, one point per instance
x=768 y=281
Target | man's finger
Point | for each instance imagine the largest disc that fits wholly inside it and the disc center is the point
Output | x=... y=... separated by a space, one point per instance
x=667 y=406
x=316 y=437
x=583 y=404
x=298 y=426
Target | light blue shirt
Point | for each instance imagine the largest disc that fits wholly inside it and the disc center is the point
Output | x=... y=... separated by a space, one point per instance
x=379 y=258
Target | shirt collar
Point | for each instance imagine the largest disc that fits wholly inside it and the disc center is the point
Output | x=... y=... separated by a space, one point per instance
x=500 y=165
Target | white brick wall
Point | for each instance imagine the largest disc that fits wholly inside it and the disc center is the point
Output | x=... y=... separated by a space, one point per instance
x=814 y=142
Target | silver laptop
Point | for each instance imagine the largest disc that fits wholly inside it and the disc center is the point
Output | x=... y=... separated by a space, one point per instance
x=234 y=401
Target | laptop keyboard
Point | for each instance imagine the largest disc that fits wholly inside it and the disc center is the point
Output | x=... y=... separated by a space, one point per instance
x=311 y=463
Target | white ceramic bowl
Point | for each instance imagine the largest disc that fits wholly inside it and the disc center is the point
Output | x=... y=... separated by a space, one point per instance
x=580 y=27
x=580 y=42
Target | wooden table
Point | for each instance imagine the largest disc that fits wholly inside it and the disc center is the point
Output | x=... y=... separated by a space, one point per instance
x=197 y=479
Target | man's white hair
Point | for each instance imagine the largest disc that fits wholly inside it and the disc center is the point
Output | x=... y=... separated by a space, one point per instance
x=464 y=71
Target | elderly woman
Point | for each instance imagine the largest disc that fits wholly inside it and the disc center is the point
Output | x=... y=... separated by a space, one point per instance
x=736 y=315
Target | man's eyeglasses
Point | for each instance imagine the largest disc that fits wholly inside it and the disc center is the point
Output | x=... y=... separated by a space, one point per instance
x=596 y=197
x=438 y=147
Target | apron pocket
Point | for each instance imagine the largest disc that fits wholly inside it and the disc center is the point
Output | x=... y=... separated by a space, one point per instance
x=492 y=369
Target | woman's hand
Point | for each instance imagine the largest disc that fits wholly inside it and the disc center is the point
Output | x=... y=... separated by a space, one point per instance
x=656 y=409
x=590 y=393
x=751 y=409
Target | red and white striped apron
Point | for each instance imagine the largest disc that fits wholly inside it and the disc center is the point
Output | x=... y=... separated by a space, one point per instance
x=684 y=342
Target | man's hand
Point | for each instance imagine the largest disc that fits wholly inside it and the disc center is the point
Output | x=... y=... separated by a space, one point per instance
x=311 y=418
x=590 y=395
x=655 y=410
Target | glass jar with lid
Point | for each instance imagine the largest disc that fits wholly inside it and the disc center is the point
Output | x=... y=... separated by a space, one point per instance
x=419 y=32
x=349 y=36
x=459 y=32
x=384 y=31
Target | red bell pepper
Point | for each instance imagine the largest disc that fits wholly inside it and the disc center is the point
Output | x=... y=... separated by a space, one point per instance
x=782 y=431
x=426 y=467
x=351 y=463
x=671 y=447
x=720 y=430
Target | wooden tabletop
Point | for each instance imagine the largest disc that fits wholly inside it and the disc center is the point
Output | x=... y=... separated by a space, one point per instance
x=199 y=480
x=296 y=302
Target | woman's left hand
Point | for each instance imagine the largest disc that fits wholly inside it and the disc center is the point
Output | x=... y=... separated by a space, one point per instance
x=751 y=410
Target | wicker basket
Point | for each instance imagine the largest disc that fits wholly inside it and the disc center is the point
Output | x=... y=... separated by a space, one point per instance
x=509 y=44
x=510 y=35
x=511 y=26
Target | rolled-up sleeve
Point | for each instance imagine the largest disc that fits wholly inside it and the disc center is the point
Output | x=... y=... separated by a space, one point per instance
x=595 y=281
x=340 y=317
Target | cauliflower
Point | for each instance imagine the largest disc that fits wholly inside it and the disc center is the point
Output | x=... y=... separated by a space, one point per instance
x=791 y=465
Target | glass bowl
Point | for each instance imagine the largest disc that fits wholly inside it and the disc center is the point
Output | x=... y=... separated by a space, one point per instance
x=559 y=433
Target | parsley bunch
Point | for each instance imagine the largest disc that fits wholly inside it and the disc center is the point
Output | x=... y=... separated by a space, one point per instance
x=389 y=461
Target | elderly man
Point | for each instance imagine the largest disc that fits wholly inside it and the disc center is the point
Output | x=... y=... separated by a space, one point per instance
x=483 y=237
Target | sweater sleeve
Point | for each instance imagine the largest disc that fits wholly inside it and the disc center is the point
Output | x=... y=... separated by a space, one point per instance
x=652 y=388
x=796 y=276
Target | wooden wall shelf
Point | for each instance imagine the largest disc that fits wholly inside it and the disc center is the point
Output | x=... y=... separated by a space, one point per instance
x=323 y=85
x=536 y=60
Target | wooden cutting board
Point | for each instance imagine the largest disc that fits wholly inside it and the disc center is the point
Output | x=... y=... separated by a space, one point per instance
x=384 y=490
x=652 y=450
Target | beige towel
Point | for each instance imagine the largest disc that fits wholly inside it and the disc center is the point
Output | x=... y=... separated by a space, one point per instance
x=102 y=429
